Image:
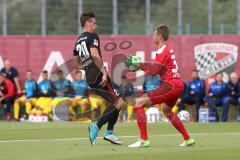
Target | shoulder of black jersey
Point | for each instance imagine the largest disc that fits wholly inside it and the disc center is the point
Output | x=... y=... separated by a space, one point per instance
x=95 y=35
x=13 y=69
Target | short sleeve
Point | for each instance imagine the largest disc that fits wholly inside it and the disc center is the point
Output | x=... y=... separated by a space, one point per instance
x=94 y=42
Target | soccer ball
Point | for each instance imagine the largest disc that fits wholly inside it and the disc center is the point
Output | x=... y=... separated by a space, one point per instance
x=133 y=68
x=132 y=63
x=184 y=116
x=135 y=60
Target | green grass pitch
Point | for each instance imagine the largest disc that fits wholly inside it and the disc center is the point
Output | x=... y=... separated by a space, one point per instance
x=68 y=141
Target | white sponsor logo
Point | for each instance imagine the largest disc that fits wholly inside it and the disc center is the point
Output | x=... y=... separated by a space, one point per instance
x=55 y=57
x=207 y=59
x=95 y=42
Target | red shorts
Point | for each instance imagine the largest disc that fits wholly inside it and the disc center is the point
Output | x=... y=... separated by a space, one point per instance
x=167 y=93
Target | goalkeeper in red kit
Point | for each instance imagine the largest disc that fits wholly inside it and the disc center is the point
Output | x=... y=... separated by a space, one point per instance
x=167 y=93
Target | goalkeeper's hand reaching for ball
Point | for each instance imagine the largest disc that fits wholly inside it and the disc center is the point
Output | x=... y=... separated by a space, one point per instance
x=132 y=63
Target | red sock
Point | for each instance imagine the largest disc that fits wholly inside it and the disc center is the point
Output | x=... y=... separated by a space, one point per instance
x=141 y=121
x=177 y=123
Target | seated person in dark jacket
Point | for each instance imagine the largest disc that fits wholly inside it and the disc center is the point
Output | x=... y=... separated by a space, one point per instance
x=194 y=93
x=216 y=94
x=233 y=95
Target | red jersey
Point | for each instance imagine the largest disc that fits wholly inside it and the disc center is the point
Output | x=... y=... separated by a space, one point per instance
x=165 y=56
x=165 y=66
x=7 y=88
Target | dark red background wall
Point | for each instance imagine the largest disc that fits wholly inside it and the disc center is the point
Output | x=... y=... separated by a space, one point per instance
x=32 y=52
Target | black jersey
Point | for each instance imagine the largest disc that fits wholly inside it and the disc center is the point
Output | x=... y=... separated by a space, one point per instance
x=86 y=41
x=10 y=74
x=93 y=75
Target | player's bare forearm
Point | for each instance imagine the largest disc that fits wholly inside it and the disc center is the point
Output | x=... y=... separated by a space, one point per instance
x=99 y=63
x=98 y=60
x=77 y=63
x=152 y=68
x=17 y=83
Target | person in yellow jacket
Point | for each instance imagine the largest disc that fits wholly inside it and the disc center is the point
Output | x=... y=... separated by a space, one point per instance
x=97 y=103
x=63 y=90
x=81 y=94
x=45 y=94
x=29 y=98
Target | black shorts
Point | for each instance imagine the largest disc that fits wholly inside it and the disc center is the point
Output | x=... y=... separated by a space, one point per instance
x=109 y=92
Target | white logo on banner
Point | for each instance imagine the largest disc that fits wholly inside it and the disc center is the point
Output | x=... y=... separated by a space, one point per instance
x=207 y=61
x=1 y=62
x=55 y=57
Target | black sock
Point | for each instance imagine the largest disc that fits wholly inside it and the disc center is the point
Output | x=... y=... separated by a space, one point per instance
x=108 y=114
x=113 y=120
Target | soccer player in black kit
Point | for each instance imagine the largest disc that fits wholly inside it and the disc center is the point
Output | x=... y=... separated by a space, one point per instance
x=87 y=55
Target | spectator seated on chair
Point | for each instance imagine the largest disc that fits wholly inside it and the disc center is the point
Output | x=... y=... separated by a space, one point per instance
x=216 y=94
x=7 y=95
x=233 y=95
x=28 y=100
x=46 y=92
x=64 y=91
x=81 y=94
x=196 y=93
x=11 y=73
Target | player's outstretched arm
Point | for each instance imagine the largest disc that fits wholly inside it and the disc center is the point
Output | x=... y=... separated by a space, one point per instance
x=152 y=68
x=133 y=63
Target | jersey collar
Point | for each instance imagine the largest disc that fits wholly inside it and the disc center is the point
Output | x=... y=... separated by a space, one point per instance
x=160 y=50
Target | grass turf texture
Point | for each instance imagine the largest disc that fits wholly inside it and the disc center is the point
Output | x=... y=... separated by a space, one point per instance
x=68 y=141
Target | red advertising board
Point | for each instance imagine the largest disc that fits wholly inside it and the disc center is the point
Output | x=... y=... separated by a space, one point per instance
x=209 y=54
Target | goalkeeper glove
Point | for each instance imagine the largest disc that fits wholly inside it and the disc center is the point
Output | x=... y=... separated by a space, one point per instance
x=132 y=63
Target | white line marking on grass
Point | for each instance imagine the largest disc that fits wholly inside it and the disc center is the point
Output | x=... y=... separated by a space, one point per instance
x=133 y=136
